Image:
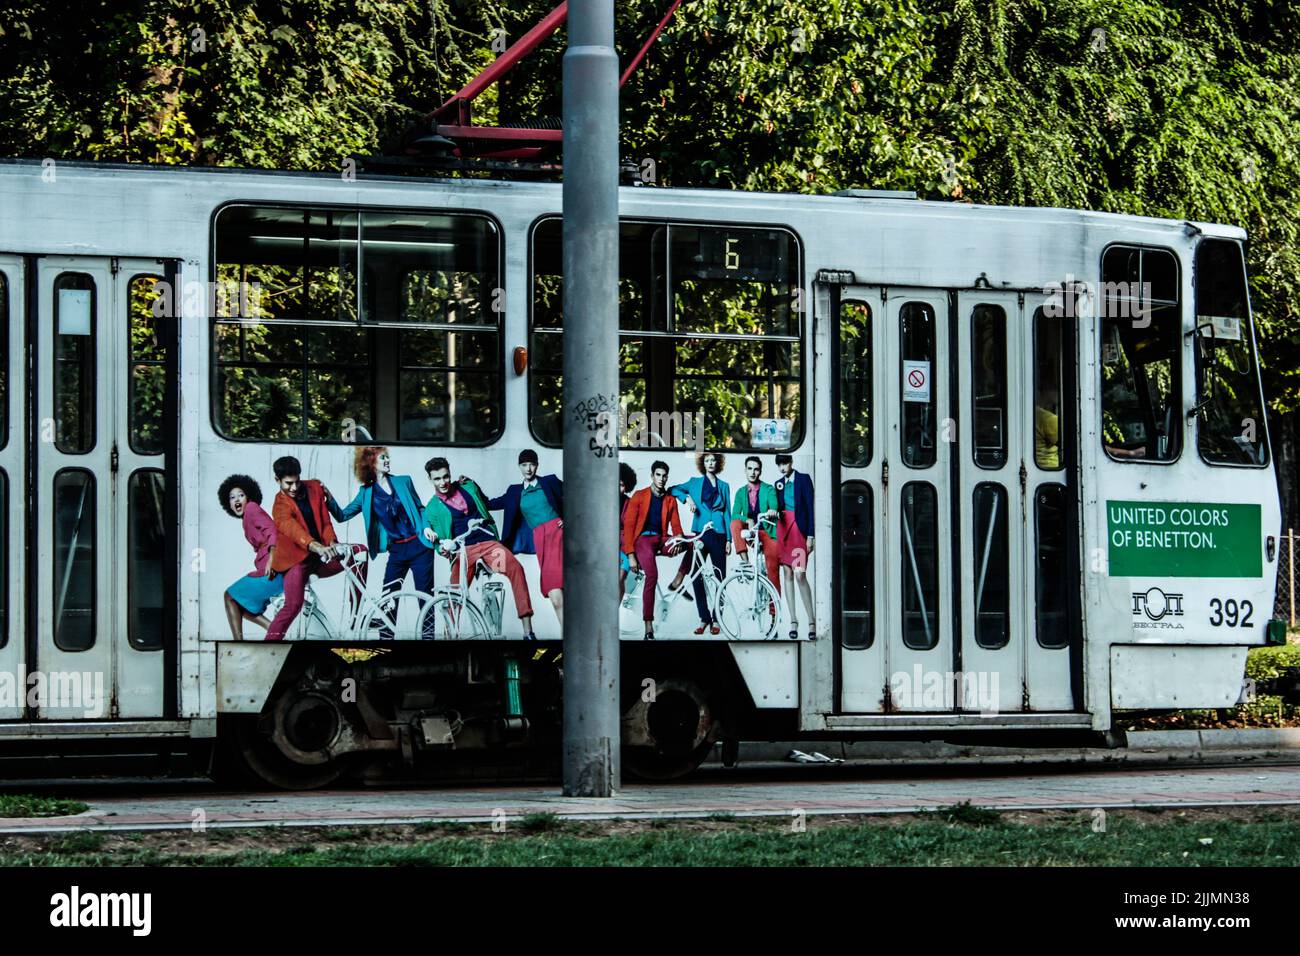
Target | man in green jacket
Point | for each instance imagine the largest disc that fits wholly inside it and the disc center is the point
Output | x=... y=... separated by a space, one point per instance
x=453 y=506
x=756 y=506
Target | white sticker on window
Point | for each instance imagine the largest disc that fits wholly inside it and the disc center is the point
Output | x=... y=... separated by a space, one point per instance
x=770 y=432
x=74 y=311
x=916 y=381
x=1226 y=327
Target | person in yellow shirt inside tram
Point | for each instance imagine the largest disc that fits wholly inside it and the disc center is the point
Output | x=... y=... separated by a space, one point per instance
x=1047 y=439
x=1047 y=428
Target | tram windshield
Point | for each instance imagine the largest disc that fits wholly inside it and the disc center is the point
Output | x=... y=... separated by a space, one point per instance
x=1141 y=340
x=1230 y=430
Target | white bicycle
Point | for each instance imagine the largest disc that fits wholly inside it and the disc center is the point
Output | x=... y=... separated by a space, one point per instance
x=458 y=615
x=746 y=603
x=396 y=613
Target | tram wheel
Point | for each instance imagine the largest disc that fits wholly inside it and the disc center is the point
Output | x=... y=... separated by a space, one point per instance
x=288 y=747
x=670 y=735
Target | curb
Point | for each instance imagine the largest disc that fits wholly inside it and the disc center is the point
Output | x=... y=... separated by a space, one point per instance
x=1266 y=738
x=1183 y=742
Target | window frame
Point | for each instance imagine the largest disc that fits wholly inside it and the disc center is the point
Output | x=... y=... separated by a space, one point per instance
x=925 y=308
x=1181 y=416
x=1003 y=376
x=92 y=365
x=999 y=491
x=799 y=340
x=858 y=486
x=1062 y=489
x=132 y=363
x=1266 y=439
x=214 y=400
x=870 y=391
x=94 y=556
x=906 y=580
x=131 y=609
x=1038 y=321
x=5 y=383
x=6 y=533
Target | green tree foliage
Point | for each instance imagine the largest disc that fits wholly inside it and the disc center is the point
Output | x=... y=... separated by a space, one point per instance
x=1181 y=109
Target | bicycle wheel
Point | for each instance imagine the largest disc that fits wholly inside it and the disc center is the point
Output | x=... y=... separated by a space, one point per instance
x=310 y=624
x=747 y=612
x=405 y=614
x=456 y=619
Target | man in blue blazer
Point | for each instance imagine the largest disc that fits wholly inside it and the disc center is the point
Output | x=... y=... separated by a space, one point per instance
x=394 y=521
x=532 y=522
x=708 y=497
x=794 y=530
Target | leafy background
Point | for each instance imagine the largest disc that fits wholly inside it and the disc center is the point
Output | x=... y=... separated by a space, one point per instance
x=1182 y=109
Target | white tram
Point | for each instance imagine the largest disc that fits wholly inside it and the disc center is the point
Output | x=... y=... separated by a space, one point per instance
x=1031 y=444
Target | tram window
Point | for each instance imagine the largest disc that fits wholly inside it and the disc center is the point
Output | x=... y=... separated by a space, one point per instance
x=148 y=366
x=989 y=385
x=920 y=565
x=917 y=382
x=4 y=366
x=74 y=560
x=992 y=566
x=714 y=339
x=410 y=353
x=145 y=560
x=1230 y=427
x=855 y=384
x=448 y=388
x=1141 y=348
x=857 y=565
x=1050 y=582
x=1049 y=356
x=4 y=559
x=286 y=264
x=74 y=363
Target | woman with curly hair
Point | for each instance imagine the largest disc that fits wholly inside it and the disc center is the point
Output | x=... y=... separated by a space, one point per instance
x=394 y=520
x=247 y=598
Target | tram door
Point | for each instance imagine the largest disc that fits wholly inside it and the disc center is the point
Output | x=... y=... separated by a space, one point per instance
x=1011 y=503
x=98 y=498
x=13 y=489
x=894 y=452
x=955 y=416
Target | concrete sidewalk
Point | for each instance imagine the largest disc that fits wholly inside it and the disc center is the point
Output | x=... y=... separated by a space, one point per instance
x=831 y=789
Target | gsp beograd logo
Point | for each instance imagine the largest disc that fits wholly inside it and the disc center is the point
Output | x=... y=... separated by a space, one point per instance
x=1153 y=609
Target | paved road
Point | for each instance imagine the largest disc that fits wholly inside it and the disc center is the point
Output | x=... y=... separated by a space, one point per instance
x=815 y=790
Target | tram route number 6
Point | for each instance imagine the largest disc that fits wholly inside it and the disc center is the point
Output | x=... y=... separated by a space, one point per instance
x=733 y=257
x=1231 y=613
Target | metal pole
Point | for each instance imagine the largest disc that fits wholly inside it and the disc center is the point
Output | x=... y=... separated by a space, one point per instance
x=590 y=414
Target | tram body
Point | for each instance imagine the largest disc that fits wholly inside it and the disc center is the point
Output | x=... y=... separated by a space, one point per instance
x=1035 y=438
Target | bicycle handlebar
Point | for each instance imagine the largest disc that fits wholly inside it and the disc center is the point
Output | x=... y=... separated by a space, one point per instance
x=683 y=539
x=455 y=543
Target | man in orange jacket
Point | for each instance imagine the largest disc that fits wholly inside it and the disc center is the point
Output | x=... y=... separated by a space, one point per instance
x=305 y=541
x=651 y=517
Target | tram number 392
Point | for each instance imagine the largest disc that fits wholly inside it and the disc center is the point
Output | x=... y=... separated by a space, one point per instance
x=1230 y=613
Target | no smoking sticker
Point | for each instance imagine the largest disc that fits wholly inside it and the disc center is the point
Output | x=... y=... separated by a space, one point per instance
x=916 y=381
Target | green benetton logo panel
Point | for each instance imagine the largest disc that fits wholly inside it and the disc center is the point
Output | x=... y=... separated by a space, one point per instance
x=1180 y=539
